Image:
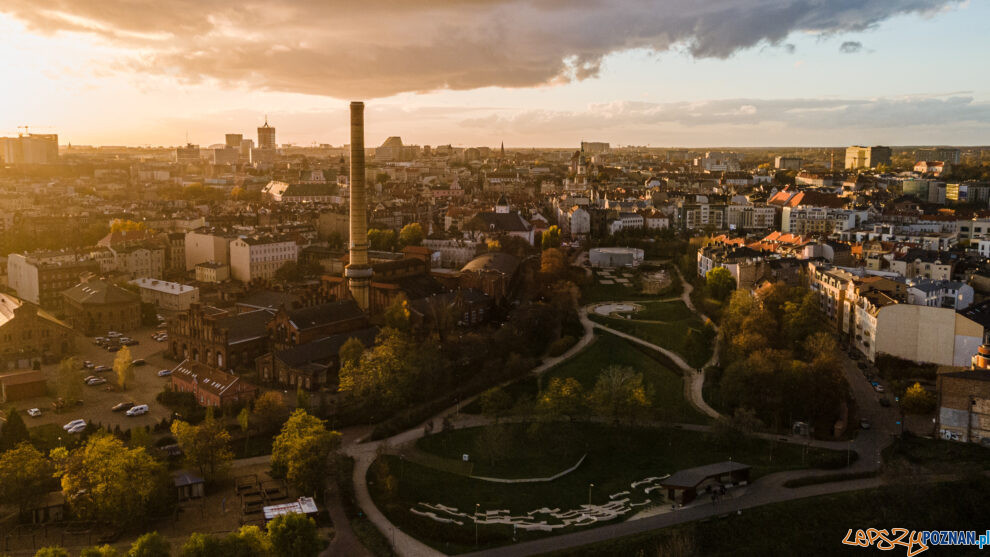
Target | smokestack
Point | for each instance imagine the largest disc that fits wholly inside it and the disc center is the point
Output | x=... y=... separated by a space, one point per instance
x=358 y=271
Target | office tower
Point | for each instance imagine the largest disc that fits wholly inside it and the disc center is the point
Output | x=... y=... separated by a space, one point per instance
x=266 y=136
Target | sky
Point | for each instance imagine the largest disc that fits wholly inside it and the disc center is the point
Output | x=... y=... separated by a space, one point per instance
x=544 y=73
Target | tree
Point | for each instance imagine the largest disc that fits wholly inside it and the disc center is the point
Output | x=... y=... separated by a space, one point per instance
x=123 y=368
x=202 y=545
x=350 y=352
x=411 y=234
x=14 y=431
x=140 y=437
x=104 y=480
x=562 y=397
x=248 y=541
x=294 y=535
x=126 y=225
x=206 y=446
x=917 y=400
x=551 y=238
x=25 y=477
x=619 y=392
x=386 y=375
x=99 y=551
x=52 y=552
x=396 y=315
x=495 y=402
x=301 y=450
x=381 y=240
x=493 y=443
x=151 y=544
x=67 y=384
x=720 y=283
x=269 y=411
x=244 y=420
x=553 y=264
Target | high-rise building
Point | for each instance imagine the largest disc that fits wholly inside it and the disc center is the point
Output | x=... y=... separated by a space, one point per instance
x=234 y=140
x=358 y=271
x=266 y=136
x=33 y=148
x=866 y=157
x=950 y=155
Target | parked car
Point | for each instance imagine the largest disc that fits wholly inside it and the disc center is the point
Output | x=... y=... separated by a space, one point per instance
x=101 y=369
x=96 y=381
x=73 y=424
x=34 y=412
x=114 y=334
x=879 y=388
x=77 y=429
x=88 y=378
x=164 y=372
x=88 y=364
x=139 y=362
x=129 y=342
x=113 y=348
x=99 y=340
x=121 y=406
x=137 y=410
x=865 y=424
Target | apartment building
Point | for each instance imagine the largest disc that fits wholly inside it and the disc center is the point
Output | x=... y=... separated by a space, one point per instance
x=40 y=277
x=259 y=257
x=166 y=295
x=207 y=244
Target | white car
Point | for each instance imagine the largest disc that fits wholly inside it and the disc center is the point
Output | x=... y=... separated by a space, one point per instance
x=74 y=423
x=34 y=412
x=113 y=334
x=96 y=381
x=164 y=372
x=137 y=410
x=77 y=429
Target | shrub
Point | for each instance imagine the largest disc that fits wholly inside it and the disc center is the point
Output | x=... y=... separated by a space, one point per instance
x=561 y=345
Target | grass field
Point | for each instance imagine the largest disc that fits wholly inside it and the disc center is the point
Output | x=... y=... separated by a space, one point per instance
x=666 y=384
x=816 y=526
x=670 y=333
x=616 y=456
x=671 y=310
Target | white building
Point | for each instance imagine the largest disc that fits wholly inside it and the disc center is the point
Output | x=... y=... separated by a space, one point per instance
x=940 y=293
x=259 y=257
x=166 y=295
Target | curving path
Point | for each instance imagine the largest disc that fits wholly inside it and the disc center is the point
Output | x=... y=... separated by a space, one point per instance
x=694 y=379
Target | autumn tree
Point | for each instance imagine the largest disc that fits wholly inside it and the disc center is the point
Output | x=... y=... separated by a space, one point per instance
x=350 y=352
x=14 y=431
x=381 y=240
x=99 y=551
x=67 y=383
x=269 y=411
x=294 y=535
x=553 y=264
x=206 y=446
x=104 y=480
x=619 y=392
x=388 y=374
x=397 y=315
x=495 y=403
x=52 y=552
x=123 y=368
x=25 y=476
x=720 y=283
x=151 y=544
x=562 y=397
x=551 y=238
x=300 y=452
x=917 y=400
x=411 y=234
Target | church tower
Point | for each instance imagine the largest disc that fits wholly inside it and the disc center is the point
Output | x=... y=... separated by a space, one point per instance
x=358 y=272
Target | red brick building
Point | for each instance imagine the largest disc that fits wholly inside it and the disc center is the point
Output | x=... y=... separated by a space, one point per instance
x=210 y=386
x=301 y=326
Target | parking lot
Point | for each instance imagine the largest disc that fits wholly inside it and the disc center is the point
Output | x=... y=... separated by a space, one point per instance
x=98 y=400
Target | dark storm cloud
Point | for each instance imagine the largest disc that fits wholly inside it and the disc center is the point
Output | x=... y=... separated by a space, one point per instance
x=345 y=48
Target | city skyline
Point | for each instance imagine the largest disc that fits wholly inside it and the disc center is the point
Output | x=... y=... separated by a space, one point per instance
x=671 y=75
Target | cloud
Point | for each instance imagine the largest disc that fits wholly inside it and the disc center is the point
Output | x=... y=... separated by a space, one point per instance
x=804 y=115
x=850 y=47
x=374 y=48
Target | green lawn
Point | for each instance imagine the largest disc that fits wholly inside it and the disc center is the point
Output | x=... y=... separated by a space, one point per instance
x=817 y=525
x=668 y=334
x=665 y=382
x=672 y=310
x=616 y=457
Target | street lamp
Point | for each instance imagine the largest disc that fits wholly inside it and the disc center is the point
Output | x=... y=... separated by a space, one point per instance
x=589 y=493
x=477 y=509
